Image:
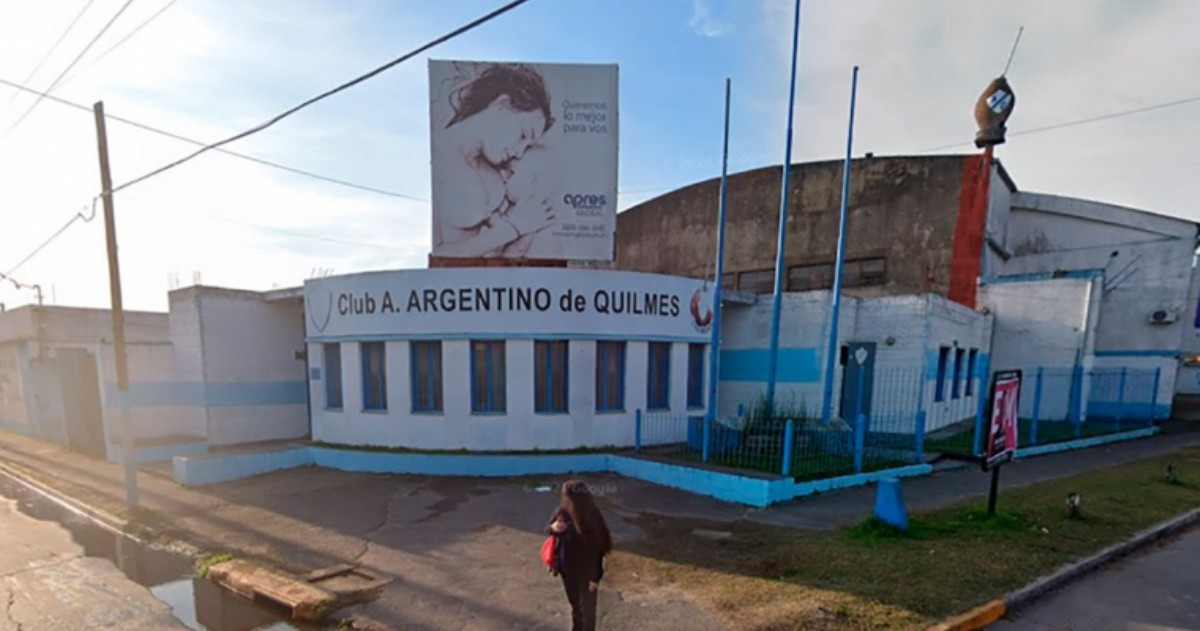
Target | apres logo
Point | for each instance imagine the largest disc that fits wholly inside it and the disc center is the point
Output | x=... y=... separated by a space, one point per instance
x=581 y=201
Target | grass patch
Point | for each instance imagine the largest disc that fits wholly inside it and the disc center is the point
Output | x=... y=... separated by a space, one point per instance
x=1049 y=432
x=871 y=576
x=207 y=563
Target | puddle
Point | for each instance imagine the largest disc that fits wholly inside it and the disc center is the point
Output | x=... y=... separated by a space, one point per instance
x=198 y=603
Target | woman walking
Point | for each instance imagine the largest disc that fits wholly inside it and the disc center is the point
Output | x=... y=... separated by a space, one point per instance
x=582 y=542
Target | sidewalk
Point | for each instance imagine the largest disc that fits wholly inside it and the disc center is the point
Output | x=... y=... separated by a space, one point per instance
x=464 y=552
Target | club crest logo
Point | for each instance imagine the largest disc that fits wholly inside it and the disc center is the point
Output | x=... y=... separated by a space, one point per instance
x=319 y=305
x=701 y=308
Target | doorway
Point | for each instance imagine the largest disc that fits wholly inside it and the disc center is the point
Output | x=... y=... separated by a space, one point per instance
x=857 y=360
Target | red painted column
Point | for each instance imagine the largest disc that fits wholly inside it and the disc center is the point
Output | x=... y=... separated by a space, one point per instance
x=969 y=229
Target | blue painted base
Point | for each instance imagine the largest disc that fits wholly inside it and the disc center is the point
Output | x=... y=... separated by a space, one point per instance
x=752 y=491
x=1084 y=443
x=889 y=504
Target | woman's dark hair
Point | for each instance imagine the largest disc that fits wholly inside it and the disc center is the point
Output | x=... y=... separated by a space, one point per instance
x=523 y=85
x=586 y=516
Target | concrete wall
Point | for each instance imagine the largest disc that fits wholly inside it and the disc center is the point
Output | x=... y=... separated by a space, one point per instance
x=907 y=332
x=13 y=412
x=518 y=428
x=903 y=209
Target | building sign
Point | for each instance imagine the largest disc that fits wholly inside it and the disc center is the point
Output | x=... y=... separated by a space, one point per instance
x=524 y=160
x=1002 y=429
x=508 y=302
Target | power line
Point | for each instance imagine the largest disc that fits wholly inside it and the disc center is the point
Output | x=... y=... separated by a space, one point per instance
x=71 y=65
x=127 y=37
x=1075 y=123
x=200 y=143
x=349 y=84
x=54 y=46
x=79 y=215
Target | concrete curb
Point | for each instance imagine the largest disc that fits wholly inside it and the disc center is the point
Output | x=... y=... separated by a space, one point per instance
x=1025 y=595
x=988 y=613
x=106 y=520
x=976 y=618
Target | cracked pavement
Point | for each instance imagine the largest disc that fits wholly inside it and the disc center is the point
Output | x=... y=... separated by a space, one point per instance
x=50 y=586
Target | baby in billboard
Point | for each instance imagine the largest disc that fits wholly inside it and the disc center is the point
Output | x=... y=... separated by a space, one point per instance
x=503 y=175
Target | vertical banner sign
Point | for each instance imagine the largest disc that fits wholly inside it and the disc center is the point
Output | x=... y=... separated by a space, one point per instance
x=1002 y=428
x=524 y=160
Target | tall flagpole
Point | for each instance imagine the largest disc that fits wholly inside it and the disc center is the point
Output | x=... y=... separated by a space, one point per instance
x=776 y=297
x=836 y=299
x=715 y=347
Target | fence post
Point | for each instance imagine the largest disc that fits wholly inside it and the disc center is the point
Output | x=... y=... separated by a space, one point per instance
x=705 y=437
x=1037 y=408
x=920 y=450
x=1077 y=399
x=981 y=405
x=789 y=442
x=1121 y=397
x=860 y=423
x=637 y=429
x=1154 y=395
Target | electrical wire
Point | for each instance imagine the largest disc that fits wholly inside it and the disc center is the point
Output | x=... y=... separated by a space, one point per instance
x=117 y=45
x=200 y=143
x=1076 y=123
x=54 y=84
x=328 y=93
x=78 y=216
x=55 y=45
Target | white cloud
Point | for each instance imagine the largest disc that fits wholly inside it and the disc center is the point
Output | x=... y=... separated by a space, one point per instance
x=703 y=23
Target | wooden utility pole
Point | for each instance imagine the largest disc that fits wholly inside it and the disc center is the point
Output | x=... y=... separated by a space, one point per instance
x=128 y=450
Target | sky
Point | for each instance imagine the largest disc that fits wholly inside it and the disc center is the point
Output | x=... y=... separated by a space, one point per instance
x=206 y=69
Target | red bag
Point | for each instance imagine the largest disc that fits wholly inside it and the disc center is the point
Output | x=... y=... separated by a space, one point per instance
x=548 y=552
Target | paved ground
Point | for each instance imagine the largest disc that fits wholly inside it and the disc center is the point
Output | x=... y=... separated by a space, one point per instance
x=464 y=552
x=1155 y=591
x=46 y=584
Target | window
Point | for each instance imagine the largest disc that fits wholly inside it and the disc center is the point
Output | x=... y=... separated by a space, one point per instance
x=695 y=383
x=810 y=277
x=971 y=358
x=333 y=376
x=757 y=282
x=610 y=376
x=658 y=377
x=955 y=386
x=858 y=273
x=426 y=376
x=729 y=281
x=943 y=359
x=488 y=385
x=550 y=377
x=374 y=375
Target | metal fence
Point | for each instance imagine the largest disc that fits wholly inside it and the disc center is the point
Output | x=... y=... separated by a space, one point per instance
x=897 y=416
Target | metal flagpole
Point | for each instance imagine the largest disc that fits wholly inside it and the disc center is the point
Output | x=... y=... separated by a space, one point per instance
x=715 y=347
x=836 y=299
x=773 y=354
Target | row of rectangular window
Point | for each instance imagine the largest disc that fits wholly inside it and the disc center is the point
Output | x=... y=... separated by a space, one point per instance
x=489 y=371
x=855 y=273
x=961 y=381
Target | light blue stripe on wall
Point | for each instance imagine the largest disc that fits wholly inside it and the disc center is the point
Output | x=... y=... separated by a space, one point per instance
x=191 y=393
x=796 y=365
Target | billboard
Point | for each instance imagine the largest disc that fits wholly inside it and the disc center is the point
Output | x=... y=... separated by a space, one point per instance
x=513 y=302
x=1002 y=426
x=524 y=160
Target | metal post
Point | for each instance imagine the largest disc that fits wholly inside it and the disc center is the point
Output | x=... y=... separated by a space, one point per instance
x=1154 y=395
x=777 y=296
x=714 y=347
x=1037 y=408
x=789 y=443
x=128 y=449
x=836 y=292
x=706 y=438
x=860 y=423
x=637 y=429
x=994 y=490
x=981 y=404
x=922 y=419
x=1077 y=399
x=1121 y=397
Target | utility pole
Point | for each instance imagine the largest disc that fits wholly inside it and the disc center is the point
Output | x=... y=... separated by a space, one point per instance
x=128 y=455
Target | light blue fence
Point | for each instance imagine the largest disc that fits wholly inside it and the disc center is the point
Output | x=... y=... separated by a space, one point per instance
x=884 y=421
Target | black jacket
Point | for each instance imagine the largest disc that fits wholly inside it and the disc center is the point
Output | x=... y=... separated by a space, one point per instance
x=577 y=558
